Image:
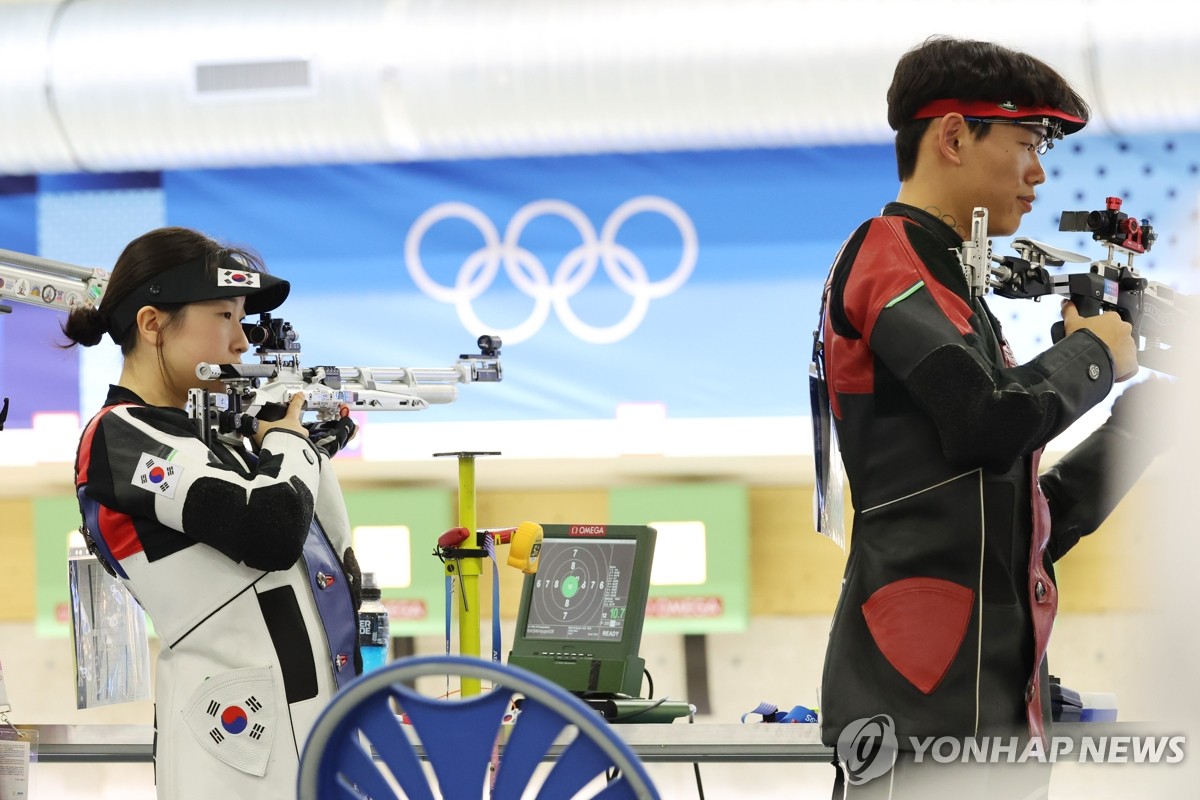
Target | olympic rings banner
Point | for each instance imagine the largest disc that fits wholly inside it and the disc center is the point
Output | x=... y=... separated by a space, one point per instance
x=529 y=275
x=687 y=280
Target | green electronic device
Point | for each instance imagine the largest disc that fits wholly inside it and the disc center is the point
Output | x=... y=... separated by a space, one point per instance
x=581 y=614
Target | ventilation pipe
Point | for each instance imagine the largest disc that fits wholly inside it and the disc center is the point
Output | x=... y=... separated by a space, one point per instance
x=115 y=85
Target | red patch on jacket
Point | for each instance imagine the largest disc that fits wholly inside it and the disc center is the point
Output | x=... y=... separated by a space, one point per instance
x=919 y=625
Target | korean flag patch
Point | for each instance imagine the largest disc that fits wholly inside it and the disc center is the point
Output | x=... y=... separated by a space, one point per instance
x=157 y=475
x=238 y=277
x=232 y=715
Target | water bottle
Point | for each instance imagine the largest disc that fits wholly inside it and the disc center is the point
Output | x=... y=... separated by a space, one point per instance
x=373 y=634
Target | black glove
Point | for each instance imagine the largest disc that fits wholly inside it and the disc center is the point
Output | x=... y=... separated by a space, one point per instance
x=354 y=583
x=353 y=576
x=331 y=435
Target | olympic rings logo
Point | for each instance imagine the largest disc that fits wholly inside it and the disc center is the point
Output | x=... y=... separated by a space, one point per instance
x=529 y=275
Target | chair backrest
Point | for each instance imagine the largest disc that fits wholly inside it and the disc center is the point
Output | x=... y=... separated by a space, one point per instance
x=457 y=737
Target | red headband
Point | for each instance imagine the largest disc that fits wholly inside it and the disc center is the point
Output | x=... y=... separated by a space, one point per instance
x=1003 y=110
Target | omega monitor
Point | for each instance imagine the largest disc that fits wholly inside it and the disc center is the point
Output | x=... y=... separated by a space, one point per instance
x=580 y=619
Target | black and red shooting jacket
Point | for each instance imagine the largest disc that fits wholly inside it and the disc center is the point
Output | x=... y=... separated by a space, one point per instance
x=948 y=595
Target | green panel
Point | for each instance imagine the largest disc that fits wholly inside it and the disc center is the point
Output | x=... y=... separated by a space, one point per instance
x=419 y=608
x=53 y=520
x=722 y=602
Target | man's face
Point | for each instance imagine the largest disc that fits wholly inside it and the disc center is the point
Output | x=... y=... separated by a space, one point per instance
x=1002 y=173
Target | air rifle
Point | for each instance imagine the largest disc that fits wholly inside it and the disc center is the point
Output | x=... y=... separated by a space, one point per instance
x=262 y=391
x=1157 y=313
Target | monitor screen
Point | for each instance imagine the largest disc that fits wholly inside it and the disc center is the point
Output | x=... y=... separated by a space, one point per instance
x=581 y=590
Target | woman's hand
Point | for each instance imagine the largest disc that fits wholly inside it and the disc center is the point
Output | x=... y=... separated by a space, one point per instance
x=290 y=420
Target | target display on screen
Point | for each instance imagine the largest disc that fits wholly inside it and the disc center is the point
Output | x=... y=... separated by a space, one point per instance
x=581 y=590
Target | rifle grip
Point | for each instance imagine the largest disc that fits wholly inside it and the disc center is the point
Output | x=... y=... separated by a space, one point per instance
x=1086 y=306
x=272 y=412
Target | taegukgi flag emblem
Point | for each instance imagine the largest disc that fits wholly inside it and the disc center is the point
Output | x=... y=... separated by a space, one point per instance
x=238 y=277
x=157 y=475
x=233 y=717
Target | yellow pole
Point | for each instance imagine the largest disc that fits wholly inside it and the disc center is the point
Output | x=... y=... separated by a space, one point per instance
x=468 y=569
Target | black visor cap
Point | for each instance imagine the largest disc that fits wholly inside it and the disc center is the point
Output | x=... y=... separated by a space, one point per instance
x=192 y=282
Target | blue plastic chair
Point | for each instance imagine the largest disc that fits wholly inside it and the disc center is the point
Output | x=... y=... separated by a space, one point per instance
x=457 y=738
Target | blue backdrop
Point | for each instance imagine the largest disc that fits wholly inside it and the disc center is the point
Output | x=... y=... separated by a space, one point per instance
x=687 y=279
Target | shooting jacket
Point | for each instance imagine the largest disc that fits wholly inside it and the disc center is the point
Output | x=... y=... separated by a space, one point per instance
x=244 y=584
x=948 y=595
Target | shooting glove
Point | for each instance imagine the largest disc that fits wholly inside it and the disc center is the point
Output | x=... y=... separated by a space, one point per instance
x=353 y=576
x=331 y=435
x=354 y=582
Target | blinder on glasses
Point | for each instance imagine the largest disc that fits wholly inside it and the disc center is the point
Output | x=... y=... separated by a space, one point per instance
x=1050 y=133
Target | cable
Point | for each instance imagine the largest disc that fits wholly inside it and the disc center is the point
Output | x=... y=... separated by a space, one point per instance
x=696 y=764
x=649 y=682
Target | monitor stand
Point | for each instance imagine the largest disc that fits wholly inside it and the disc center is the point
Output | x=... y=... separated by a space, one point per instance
x=584 y=673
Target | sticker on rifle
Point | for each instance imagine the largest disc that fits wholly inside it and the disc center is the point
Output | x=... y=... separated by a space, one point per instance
x=157 y=475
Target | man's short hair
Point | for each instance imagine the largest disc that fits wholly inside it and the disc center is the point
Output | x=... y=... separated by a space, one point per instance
x=963 y=69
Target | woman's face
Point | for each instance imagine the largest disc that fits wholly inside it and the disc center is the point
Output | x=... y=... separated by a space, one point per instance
x=209 y=331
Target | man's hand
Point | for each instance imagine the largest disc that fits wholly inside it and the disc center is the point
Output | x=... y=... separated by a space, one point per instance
x=1116 y=333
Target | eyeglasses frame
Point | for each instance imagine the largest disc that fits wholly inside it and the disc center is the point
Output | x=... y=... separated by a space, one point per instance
x=1053 y=129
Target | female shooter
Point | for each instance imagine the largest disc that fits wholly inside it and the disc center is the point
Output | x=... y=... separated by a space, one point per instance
x=240 y=557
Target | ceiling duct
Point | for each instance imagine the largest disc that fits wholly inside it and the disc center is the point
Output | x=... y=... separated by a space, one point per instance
x=114 y=85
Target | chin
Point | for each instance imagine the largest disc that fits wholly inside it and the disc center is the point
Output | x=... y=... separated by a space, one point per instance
x=1003 y=228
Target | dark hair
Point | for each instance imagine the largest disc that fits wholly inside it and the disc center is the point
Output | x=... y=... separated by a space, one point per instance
x=963 y=69
x=142 y=259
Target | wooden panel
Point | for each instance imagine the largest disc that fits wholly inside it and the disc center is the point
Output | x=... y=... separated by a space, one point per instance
x=1109 y=570
x=793 y=569
x=16 y=542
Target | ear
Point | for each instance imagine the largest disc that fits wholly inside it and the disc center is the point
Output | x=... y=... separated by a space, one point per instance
x=150 y=322
x=950 y=133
